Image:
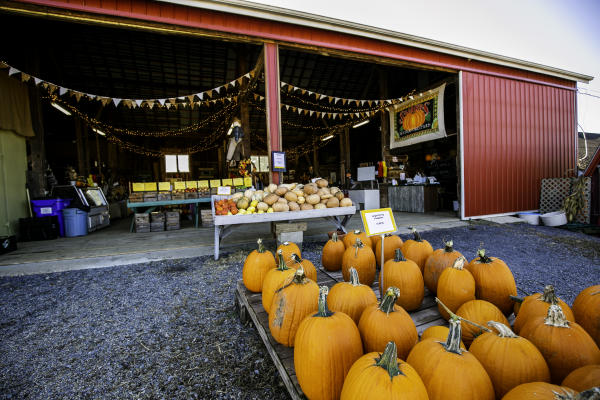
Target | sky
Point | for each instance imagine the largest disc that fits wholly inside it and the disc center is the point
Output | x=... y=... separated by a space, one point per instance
x=558 y=33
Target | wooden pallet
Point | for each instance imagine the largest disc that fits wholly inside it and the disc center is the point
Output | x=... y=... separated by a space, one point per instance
x=250 y=308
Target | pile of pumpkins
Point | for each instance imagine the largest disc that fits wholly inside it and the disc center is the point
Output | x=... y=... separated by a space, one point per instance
x=349 y=345
x=289 y=197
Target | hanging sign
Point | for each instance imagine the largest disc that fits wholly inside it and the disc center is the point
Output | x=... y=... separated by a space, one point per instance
x=202 y=184
x=378 y=221
x=150 y=186
x=419 y=119
x=137 y=186
x=278 y=161
x=227 y=182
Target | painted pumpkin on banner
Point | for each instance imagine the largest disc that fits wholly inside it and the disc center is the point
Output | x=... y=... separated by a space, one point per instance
x=414 y=118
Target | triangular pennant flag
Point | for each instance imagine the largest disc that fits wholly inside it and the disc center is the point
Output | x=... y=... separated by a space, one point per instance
x=173 y=101
x=303 y=91
x=310 y=93
x=362 y=102
x=116 y=101
x=168 y=105
x=252 y=73
x=336 y=100
x=209 y=93
x=240 y=80
x=247 y=75
x=3 y=65
x=330 y=99
x=287 y=107
x=305 y=112
x=232 y=83
x=294 y=109
x=12 y=71
x=37 y=80
x=191 y=98
x=77 y=95
x=162 y=101
x=318 y=114
x=105 y=100
x=311 y=113
x=290 y=88
x=138 y=102
x=150 y=104
x=218 y=90
x=200 y=95
x=25 y=77
x=52 y=88
x=344 y=101
x=282 y=84
x=62 y=91
x=322 y=96
x=255 y=96
x=357 y=115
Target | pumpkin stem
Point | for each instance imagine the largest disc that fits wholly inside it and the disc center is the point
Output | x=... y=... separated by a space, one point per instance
x=482 y=257
x=503 y=330
x=389 y=360
x=354 y=277
x=398 y=255
x=556 y=317
x=454 y=316
x=516 y=299
x=334 y=237
x=300 y=276
x=459 y=263
x=389 y=300
x=549 y=296
x=357 y=245
x=261 y=247
x=357 y=231
x=323 y=309
x=282 y=266
x=417 y=235
x=452 y=344
x=449 y=246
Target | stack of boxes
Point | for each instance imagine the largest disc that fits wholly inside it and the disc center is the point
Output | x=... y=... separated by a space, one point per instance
x=157 y=222
x=206 y=217
x=150 y=196
x=172 y=220
x=142 y=222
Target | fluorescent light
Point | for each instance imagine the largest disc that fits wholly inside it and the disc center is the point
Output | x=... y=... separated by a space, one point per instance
x=366 y=121
x=99 y=132
x=59 y=108
x=327 y=138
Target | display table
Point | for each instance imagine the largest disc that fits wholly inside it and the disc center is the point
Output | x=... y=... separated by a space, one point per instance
x=368 y=197
x=149 y=206
x=224 y=224
x=413 y=198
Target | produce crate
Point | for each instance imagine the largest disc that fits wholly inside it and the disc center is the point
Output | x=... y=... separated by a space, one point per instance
x=164 y=196
x=203 y=192
x=157 y=226
x=191 y=195
x=142 y=228
x=207 y=218
x=157 y=216
x=136 y=197
x=178 y=196
x=150 y=196
x=142 y=222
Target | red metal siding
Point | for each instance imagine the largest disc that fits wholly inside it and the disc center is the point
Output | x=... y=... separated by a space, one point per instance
x=166 y=13
x=514 y=134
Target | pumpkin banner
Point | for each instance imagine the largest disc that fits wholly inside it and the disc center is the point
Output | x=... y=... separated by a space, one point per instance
x=419 y=119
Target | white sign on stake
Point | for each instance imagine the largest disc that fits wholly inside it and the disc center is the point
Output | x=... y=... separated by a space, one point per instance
x=224 y=190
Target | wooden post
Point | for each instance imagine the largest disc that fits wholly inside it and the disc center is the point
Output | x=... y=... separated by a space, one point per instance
x=315 y=160
x=273 y=102
x=241 y=69
x=347 y=148
x=36 y=180
x=342 y=160
x=385 y=121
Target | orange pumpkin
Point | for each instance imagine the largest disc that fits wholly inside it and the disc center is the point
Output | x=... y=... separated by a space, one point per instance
x=390 y=244
x=379 y=376
x=539 y=391
x=351 y=237
x=586 y=309
x=583 y=378
x=387 y=322
x=456 y=286
x=351 y=297
x=274 y=279
x=333 y=251
x=480 y=312
x=509 y=360
x=292 y=303
x=537 y=305
x=494 y=282
x=321 y=359
x=362 y=258
x=289 y=248
x=565 y=345
x=439 y=333
x=256 y=266
x=417 y=249
x=307 y=265
x=448 y=372
x=436 y=263
x=406 y=276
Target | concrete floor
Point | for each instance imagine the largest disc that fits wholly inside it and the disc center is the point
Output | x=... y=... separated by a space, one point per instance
x=115 y=245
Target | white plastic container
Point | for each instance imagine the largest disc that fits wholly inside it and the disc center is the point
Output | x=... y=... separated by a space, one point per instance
x=530 y=217
x=555 y=218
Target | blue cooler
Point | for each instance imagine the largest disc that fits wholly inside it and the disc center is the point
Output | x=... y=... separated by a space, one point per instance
x=76 y=222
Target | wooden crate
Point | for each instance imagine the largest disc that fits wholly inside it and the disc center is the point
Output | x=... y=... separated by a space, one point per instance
x=250 y=309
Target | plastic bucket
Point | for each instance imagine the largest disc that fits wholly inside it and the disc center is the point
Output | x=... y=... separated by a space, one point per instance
x=531 y=218
x=556 y=218
x=75 y=222
x=51 y=207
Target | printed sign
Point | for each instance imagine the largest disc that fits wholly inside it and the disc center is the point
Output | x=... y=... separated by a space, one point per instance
x=150 y=186
x=247 y=181
x=215 y=183
x=179 y=185
x=202 y=184
x=164 y=186
x=278 y=161
x=224 y=190
x=238 y=181
x=378 y=221
x=191 y=184
x=137 y=187
x=227 y=182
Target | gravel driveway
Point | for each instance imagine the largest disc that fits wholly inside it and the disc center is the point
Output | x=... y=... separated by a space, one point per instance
x=169 y=329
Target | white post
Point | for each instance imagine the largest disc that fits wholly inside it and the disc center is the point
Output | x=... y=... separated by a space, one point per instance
x=381 y=288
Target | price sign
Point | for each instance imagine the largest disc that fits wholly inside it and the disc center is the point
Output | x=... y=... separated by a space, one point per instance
x=137 y=187
x=224 y=190
x=215 y=183
x=247 y=181
x=191 y=184
x=202 y=184
x=227 y=182
x=378 y=221
x=150 y=186
x=238 y=181
x=178 y=185
x=164 y=186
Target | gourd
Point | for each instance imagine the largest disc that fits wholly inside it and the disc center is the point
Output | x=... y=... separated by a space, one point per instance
x=320 y=206
x=565 y=345
x=344 y=201
x=455 y=287
x=293 y=206
x=437 y=262
x=313 y=199
x=480 y=312
x=280 y=207
x=306 y=206
x=256 y=266
x=509 y=360
x=351 y=297
x=274 y=279
x=583 y=378
x=360 y=257
x=537 y=305
x=281 y=190
x=439 y=333
x=586 y=309
x=333 y=251
x=321 y=360
x=307 y=265
x=242 y=203
x=351 y=237
x=332 y=202
x=271 y=199
x=322 y=183
x=262 y=206
x=390 y=244
x=494 y=282
x=309 y=189
x=292 y=303
x=417 y=249
x=291 y=196
x=540 y=391
x=406 y=276
x=447 y=371
x=380 y=324
x=272 y=188
x=289 y=248
x=380 y=376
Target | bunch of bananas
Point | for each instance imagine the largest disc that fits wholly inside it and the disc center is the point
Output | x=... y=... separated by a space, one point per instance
x=575 y=201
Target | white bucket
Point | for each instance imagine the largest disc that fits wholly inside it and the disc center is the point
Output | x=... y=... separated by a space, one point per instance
x=531 y=218
x=555 y=218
